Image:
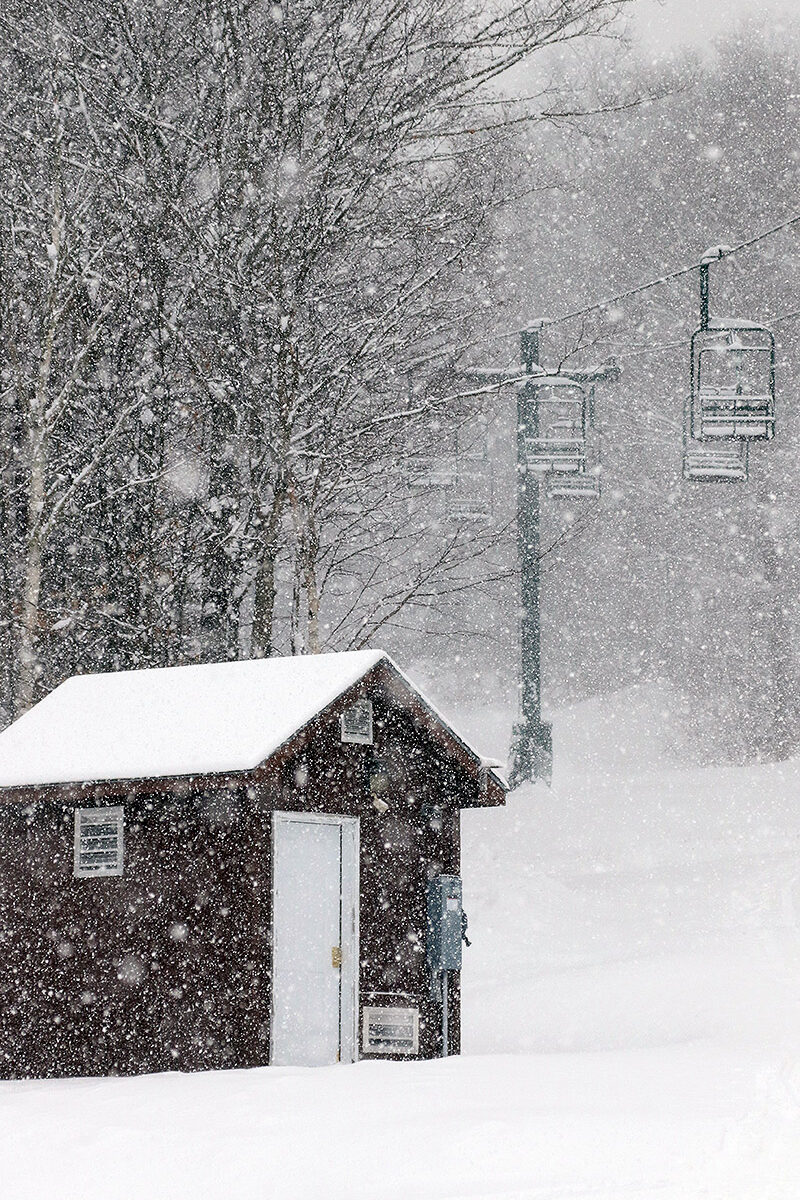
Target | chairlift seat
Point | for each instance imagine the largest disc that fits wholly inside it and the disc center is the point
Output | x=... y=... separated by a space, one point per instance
x=561 y=455
x=472 y=511
x=725 y=412
x=585 y=487
x=720 y=464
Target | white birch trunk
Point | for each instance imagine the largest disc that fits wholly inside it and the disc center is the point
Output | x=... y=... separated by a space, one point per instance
x=27 y=649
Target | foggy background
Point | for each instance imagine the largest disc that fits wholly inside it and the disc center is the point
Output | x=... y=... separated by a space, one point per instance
x=670 y=24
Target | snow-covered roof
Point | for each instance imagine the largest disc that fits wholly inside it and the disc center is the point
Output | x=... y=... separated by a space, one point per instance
x=168 y=721
x=192 y=720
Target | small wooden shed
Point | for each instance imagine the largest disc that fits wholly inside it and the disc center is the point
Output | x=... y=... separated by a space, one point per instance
x=227 y=865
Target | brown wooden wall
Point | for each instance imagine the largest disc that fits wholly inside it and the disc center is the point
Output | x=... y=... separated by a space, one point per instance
x=161 y=968
x=168 y=966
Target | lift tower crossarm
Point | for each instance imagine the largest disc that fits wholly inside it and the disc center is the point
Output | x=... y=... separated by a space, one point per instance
x=609 y=372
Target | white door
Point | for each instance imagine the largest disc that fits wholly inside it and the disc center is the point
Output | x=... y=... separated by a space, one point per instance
x=314 y=939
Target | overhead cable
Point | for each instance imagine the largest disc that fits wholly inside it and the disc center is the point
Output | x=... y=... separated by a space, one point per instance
x=678 y=273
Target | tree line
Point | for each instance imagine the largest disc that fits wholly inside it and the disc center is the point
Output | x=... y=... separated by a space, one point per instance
x=238 y=242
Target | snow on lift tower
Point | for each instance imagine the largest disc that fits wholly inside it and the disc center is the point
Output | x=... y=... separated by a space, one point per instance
x=732 y=394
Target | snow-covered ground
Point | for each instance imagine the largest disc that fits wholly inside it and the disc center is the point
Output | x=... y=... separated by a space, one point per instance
x=631 y=1019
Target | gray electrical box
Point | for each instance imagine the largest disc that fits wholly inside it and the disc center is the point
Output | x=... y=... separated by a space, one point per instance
x=444 y=923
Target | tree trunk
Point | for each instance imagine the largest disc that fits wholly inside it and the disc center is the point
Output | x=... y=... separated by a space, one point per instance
x=265 y=588
x=295 y=633
x=312 y=592
x=27 y=650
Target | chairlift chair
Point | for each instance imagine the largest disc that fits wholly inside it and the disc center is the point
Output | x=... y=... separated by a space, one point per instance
x=426 y=472
x=559 y=443
x=471 y=499
x=585 y=486
x=733 y=382
x=472 y=512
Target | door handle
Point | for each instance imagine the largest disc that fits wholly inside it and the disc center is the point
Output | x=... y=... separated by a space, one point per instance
x=336 y=957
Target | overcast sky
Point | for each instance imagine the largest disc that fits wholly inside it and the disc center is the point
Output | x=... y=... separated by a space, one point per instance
x=671 y=23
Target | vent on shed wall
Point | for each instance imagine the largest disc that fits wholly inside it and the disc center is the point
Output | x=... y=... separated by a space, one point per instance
x=99 y=845
x=391 y=1031
x=357 y=722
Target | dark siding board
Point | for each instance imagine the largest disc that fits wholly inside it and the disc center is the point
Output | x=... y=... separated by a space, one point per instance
x=399 y=851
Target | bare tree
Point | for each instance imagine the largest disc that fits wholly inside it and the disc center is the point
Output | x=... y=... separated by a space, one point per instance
x=231 y=232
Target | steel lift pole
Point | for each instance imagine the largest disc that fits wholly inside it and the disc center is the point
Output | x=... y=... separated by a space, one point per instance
x=532 y=745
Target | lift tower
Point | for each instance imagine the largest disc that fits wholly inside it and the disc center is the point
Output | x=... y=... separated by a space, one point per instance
x=555 y=417
x=532 y=745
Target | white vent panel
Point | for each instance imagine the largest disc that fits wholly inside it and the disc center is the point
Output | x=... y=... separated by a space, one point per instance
x=356 y=722
x=99 y=842
x=391 y=1031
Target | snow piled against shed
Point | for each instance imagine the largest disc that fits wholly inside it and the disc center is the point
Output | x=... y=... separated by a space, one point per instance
x=193 y=720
